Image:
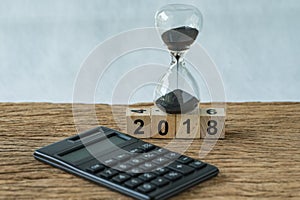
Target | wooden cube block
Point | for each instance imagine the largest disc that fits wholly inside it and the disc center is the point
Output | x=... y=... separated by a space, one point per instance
x=188 y=125
x=212 y=123
x=138 y=122
x=163 y=125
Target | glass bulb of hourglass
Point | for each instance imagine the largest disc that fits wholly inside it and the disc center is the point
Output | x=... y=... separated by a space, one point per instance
x=179 y=25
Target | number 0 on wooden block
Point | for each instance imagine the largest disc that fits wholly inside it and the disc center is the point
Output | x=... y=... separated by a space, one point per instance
x=138 y=122
x=162 y=125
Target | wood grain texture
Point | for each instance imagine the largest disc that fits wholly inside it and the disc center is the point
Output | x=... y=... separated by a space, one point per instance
x=260 y=157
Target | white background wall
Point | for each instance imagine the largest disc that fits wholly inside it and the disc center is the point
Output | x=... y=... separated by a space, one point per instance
x=255 y=44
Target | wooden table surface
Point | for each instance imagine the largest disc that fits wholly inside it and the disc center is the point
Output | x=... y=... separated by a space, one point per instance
x=259 y=159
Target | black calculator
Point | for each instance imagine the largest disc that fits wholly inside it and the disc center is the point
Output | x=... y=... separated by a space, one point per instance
x=126 y=164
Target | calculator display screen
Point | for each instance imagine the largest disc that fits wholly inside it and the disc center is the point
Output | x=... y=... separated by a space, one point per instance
x=94 y=148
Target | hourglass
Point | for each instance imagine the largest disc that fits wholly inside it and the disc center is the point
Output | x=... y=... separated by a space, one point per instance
x=178 y=25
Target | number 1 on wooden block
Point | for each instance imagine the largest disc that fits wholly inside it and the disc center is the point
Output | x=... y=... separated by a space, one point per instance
x=188 y=125
x=138 y=122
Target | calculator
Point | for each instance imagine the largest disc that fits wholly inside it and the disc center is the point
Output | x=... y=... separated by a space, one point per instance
x=126 y=164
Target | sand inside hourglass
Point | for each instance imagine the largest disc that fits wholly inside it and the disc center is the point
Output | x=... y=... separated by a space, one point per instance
x=178 y=101
x=180 y=38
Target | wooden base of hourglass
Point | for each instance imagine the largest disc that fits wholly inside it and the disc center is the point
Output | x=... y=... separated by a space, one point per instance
x=152 y=123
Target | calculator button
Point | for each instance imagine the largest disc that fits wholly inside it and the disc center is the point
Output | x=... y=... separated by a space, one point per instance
x=160 y=181
x=146 y=187
x=123 y=167
x=160 y=161
x=182 y=168
x=185 y=159
x=161 y=151
x=136 y=161
x=197 y=164
x=108 y=173
x=110 y=162
x=172 y=155
x=134 y=182
x=148 y=156
x=122 y=157
x=136 y=150
x=95 y=168
x=147 y=166
x=136 y=171
x=120 y=178
x=173 y=175
x=161 y=170
x=147 y=176
x=147 y=147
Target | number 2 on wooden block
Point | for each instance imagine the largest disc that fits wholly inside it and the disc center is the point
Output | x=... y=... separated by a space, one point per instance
x=141 y=125
x=138 y=122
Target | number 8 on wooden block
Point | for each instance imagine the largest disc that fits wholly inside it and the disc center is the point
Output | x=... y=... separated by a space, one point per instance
x=163 y=125
x=212 y=123
x=138 y=122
